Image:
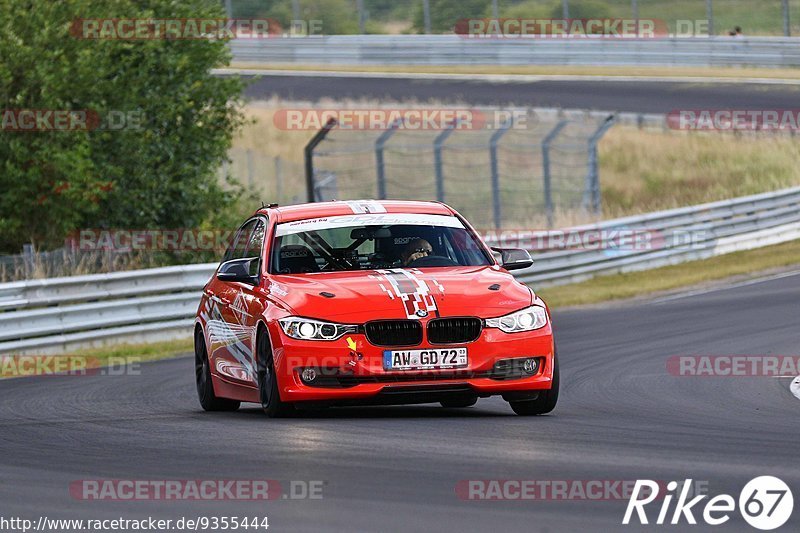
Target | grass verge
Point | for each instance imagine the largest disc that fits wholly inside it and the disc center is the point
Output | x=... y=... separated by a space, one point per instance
x=88 y=361
x=537 y=70
x=621 y=286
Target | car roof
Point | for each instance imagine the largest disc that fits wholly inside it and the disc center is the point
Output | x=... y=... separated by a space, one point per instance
x=291 y=213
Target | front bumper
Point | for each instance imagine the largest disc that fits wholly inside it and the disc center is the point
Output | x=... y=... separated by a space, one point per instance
x=357 y=376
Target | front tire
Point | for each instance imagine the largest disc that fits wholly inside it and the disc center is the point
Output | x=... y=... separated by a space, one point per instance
x=205 y=387
x=268 y=393
x=546 y=401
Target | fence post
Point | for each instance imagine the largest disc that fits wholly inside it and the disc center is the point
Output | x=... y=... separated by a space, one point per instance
x=710 y=17
x=591 y=195
x=249 y=155
x=496 y=204
x=379 y=165
x=787 y=28
x=548 y=192
x=27 y=259
x=278 y=179
x=565 y=8
x=361 y=16
x=437 y=158
x=309 y=157
x=635 y=14
x=426 y=15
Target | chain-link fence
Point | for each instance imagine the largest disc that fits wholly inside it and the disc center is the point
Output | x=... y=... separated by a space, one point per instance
x=269 y=178
x=754 y=17
x=523 y=173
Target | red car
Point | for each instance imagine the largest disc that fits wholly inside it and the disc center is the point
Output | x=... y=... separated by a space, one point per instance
x=370 y=302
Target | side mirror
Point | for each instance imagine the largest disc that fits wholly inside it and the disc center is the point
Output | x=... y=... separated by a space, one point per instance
x=514 y=258
x=239 y=270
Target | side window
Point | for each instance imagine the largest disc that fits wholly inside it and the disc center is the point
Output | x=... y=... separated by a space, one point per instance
x=240 y=242
x=254 y=245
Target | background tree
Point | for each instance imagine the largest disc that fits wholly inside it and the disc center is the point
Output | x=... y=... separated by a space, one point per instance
x=158 y=173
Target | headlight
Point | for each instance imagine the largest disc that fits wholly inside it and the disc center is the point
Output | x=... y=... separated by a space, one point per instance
x=528 y=319
x=308 y=329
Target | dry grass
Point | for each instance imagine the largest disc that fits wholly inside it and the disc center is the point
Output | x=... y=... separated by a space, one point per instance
x=622 y=286
x=643 y=170
x=640 y=170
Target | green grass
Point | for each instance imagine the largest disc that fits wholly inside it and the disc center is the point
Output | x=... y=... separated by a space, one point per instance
x=622 y=286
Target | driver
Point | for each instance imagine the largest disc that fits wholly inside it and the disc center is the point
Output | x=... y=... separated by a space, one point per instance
x=415 y=249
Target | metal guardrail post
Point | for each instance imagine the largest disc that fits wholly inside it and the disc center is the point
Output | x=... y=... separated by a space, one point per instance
x=787 y=27
x=496 y=204
x=437 y=159
x=548 y=192
x=591 y=195
x=426 y=15
x=565 y=8
x=710 y=17
x=361 y=16
x=309 y=157
x=379 y=164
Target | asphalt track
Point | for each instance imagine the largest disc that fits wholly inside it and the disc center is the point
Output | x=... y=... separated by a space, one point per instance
x=622 y=96
x=621 y=416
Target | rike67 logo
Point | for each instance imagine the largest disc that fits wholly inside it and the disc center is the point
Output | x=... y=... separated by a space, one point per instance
x=765 y=503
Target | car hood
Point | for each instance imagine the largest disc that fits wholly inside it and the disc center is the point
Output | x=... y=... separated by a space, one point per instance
x=399 y=293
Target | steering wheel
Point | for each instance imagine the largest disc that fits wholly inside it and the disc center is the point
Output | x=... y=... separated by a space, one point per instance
x=432 y=261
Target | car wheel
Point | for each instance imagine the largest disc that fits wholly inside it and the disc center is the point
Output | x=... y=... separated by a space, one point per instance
x=460 y=402
x=268 y=393
x=205 y=387
x=546 y=401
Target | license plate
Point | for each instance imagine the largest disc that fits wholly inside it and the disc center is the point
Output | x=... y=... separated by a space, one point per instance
x=431 y=358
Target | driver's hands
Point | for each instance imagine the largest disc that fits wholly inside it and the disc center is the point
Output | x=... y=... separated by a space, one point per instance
x=416 y=255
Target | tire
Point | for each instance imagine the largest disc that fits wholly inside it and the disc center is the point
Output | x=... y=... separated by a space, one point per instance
x=460 y=402
x=205 y=387
x=268 y=393
x=546 y=401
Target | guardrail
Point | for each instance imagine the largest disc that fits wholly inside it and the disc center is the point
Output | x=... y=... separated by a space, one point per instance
x=58 y=314
x=461 y=50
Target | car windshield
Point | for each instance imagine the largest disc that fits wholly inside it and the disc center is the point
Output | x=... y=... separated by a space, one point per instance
x=374 y=241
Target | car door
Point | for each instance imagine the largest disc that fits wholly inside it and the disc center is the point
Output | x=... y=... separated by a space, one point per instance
x=229 y=350
x=247 y=303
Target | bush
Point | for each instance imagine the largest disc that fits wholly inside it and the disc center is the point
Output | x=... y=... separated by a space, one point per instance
x=446 y=13
x=582 y=9
x=161 y=175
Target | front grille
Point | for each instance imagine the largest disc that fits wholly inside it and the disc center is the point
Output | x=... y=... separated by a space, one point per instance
x=503 y=370
x=454 y=330
x=394 y=332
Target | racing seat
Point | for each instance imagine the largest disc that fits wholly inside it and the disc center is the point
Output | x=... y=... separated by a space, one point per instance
x=296 y=259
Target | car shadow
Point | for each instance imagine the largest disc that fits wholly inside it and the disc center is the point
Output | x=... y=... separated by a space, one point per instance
x=385 y=411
